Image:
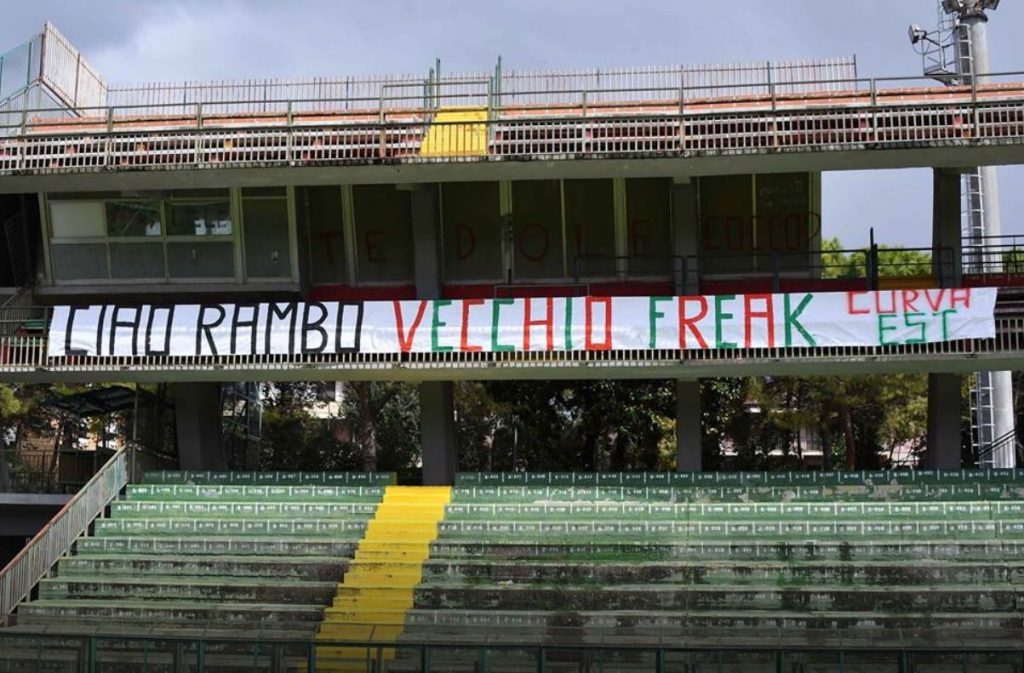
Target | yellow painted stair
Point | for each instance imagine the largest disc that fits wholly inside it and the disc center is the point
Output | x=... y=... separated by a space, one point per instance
x=377 y=591
x=456 y=133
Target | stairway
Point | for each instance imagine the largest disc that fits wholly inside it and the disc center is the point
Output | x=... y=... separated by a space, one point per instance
x=377 y=592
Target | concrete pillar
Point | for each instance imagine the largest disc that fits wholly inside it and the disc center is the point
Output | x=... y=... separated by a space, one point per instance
x=685 y=235
x=198 y=419
x=437 y=406
x=688 y=444
x=437 y=433
x=946 y=227
x=943 y=422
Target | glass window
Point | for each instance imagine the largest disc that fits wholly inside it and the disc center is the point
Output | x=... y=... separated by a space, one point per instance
x=137 y=260
x=80 y=261
x=649 y=226
x=726 y=224
x=201 y=260
x=133 y=218
x=77 y=219
x=267 y=248
x=784 y=221
x=326 y=236
x=472 y=226
x=590 y=226
x=537 y=229
x=383 y=230
x=199 y=218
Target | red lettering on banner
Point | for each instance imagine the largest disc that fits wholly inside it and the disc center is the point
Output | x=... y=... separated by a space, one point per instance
x=605 y=345
x=749 y=313
x=405 y=340
x=960 y=296
x=909 y=297
x=328 y=239
x=892 y=301
x=686 y=323
x=850 y=308
x=465 y=241
x=373 y=250
x=521 y=242
x=548 y=322
x=464 y=344
x=938 y=298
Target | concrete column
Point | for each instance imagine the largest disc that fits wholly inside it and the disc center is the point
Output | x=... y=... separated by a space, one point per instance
x=943 y=422
x=685 y=234
x=946 y=226
x=198 y=419
x=437 y=433
x=437 y=406
x=688 y=445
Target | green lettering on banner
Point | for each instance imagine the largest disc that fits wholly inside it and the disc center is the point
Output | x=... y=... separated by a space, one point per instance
x=654 y=315
x=435 y=323
x=883 y=328
x=945 y=321
x=496 y=305
x=568 y=323
x=719 y=317
x=792 y=320
x=915 y=323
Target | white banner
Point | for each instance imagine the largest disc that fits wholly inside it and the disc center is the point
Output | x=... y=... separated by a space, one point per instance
x=795 y=320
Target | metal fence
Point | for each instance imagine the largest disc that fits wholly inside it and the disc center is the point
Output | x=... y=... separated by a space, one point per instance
x=875 y=113
x=56 y=538
x=266 y=654
x=27 y=356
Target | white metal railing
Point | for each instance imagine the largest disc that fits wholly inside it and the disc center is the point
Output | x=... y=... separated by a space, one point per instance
x=22 y=355
x=57 y=536
x=864 y=117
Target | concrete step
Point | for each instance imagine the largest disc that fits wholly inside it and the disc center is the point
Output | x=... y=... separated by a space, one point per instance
x=312 y=568
x=260 y=494
x=901 y=551
x=179 y=588
x=339 y=529
x=145 y=509
x=152 y=612
x=963 y=491
x=610 y=573
x=269 y=478
x=217 y=546
x=522 y=625
x=890 y=599
x=771 y=478
x=799 y=511
x=577 y=530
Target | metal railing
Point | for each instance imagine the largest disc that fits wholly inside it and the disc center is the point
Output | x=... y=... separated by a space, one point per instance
x=866 y=115
x=57 y=536
x=783 y=269
x=91 y=652
x=27 y=356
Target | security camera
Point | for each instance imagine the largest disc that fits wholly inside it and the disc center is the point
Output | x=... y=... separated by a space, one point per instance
x=916 y=33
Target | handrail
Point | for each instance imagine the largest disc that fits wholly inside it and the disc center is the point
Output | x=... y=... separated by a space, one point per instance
x=56 y=537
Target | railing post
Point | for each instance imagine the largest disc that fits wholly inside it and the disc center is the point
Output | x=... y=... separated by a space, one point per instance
x=542 y=663
x=200 y=656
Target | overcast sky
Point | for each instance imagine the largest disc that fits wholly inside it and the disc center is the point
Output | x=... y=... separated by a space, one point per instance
x=145 y=40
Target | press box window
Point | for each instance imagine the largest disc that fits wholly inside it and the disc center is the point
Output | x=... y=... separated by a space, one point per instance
x=472 y=225
x=267 y=233
x=590 y=226
x=383 y=230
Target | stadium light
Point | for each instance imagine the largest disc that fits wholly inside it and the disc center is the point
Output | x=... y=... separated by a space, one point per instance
x=916 y=33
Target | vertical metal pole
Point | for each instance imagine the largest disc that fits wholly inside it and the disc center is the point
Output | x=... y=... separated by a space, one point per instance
x=200 y=656
x=975 y=65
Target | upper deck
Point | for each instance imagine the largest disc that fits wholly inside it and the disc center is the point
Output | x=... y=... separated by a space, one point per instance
x=684 y=120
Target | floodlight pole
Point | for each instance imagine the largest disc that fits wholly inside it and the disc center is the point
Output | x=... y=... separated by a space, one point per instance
x=975 y=68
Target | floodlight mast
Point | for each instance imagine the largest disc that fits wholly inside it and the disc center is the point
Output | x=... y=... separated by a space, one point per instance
x=993 y=402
